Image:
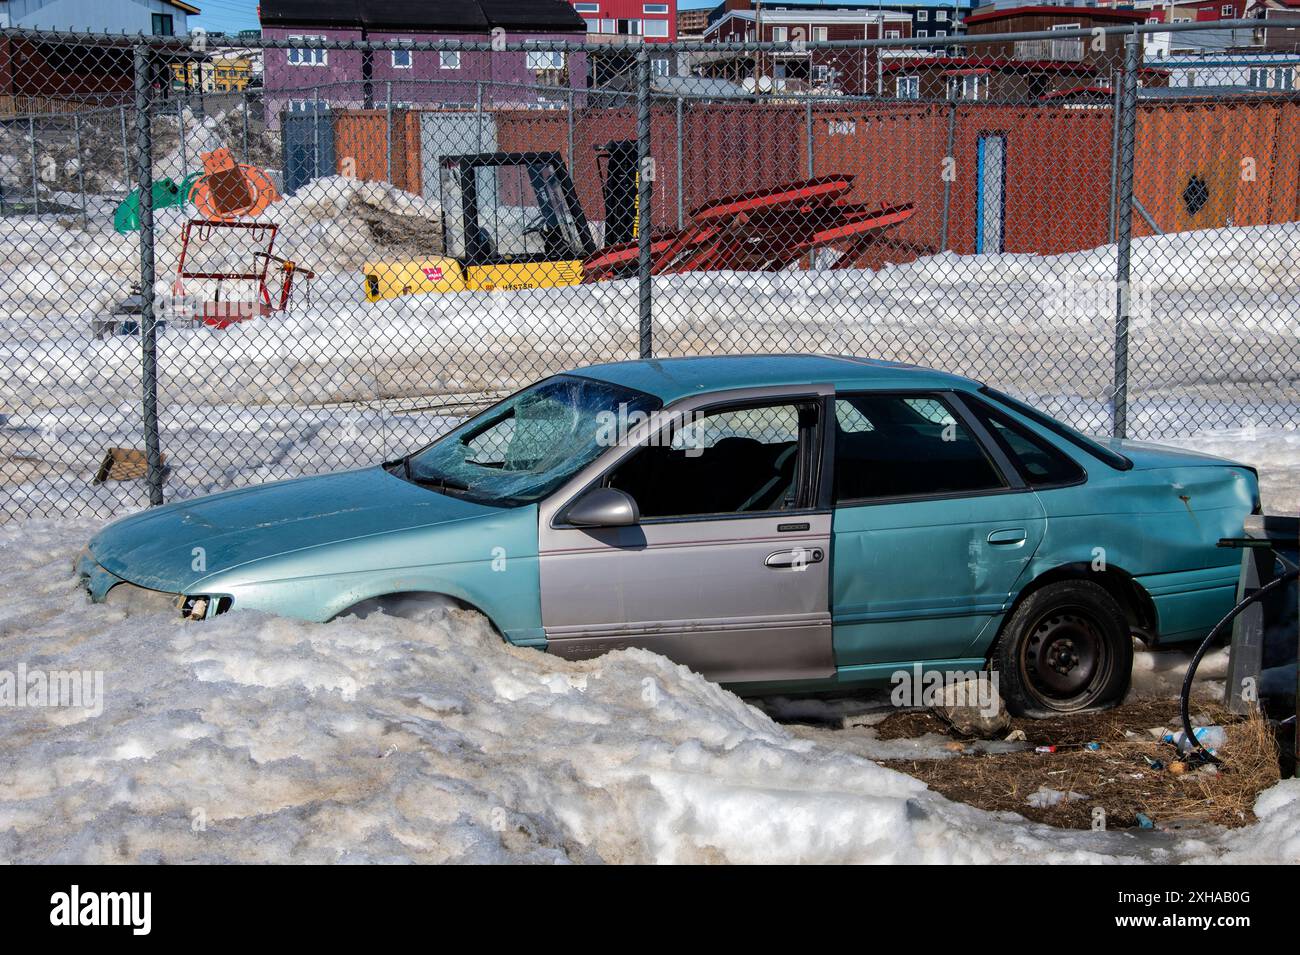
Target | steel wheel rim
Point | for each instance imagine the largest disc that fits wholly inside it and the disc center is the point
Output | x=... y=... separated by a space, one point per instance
x=1065 y=660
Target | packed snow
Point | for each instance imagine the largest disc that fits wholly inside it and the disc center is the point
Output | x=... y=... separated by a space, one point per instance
x=251 y=738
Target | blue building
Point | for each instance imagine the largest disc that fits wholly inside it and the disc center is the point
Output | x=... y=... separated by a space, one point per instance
x=156 y=17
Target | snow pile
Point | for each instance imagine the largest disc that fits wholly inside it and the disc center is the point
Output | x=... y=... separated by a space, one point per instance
x=251 y=738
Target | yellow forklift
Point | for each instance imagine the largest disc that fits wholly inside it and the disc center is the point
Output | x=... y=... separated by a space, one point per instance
x=513 y=221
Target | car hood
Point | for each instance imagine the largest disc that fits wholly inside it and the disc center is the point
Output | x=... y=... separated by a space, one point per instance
x=160 y=548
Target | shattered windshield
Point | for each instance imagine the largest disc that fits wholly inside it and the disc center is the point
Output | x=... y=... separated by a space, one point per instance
x=520 y=450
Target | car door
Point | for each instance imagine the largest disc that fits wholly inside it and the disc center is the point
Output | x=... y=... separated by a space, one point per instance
x=727 y=569
x=933 y=528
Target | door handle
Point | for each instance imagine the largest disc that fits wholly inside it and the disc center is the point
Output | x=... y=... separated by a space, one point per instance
x=799 y=557
x=1008 y=535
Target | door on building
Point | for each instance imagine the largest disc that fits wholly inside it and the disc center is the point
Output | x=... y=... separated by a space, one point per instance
x=991 y=193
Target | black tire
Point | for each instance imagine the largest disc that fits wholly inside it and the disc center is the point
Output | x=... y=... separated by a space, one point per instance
x=1065 y=649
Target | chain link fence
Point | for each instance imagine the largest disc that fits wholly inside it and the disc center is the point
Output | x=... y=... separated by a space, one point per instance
x=327 y=253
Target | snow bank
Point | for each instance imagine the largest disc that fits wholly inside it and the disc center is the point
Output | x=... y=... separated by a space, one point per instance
x=250 y=738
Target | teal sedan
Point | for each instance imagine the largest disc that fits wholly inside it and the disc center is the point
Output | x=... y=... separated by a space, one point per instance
x=777 y=523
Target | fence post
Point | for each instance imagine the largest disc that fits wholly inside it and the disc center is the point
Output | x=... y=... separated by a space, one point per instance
x=568 y=140
x=244 y=95
x=948 y=176
x=81 y=176
x=478 y=113
x=126 y=147
x=1114 y=156
x=36 y=180
x=148 y=326
x=180 y=129
x=681 y=186
x=643 y=200
x=388 y=131
x=808 y=133
x=1124 y=230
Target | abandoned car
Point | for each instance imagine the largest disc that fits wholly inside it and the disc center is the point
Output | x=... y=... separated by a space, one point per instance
x=777 y=523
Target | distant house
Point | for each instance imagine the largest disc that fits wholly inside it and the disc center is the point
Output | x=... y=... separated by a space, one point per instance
x=155 y=17
x=1023 y=70
x=303 y=79
x=852 y=72
x=1279 y=28
x=49 y=75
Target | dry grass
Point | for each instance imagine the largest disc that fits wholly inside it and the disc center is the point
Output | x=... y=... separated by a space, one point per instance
x=1116 y=777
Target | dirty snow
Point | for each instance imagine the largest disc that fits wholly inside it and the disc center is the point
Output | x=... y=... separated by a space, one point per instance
x=252 y=738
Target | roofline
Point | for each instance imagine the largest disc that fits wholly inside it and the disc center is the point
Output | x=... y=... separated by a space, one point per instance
x=1096 y=13
x=184 y=6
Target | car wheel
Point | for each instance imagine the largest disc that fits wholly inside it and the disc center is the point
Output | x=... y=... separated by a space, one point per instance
x=1066 y=648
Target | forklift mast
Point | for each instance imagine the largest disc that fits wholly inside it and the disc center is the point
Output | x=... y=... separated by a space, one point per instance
x=621 y=184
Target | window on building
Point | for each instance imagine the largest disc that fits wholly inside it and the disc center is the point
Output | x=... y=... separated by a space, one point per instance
x=546 y=60
x=1273 y=78
x=920 y=33
x=307 y=56
x=820 y=74
x=593 y=26
x=941 y=15
x=923 y=15
x=1153 y=19
x=608 y=26
x=780 y=34
x=163 y=25
x=821 y=34
x=659 y=66
x=655 y=28
x=654 y=8
x=402 y=59
x=893 y=34
x=1227 y=11
x=629 y=27
x=940 y=32
x=587 y=7
x=908 y=87
x=971 y=86
x=449 y=60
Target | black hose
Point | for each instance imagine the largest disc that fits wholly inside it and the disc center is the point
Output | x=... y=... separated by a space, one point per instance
x=1185 y=700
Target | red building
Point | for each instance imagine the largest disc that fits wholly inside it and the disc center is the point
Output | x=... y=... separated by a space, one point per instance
x=652 y=22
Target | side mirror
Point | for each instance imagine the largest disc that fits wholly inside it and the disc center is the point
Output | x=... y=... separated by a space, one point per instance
x=604 y=507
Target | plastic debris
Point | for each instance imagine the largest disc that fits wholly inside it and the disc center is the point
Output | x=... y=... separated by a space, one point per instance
x=1144 y=821
x=1046 y=797
x=1154 y=763
x=1094 y=747
x=1044 y=749
x=1211 y=737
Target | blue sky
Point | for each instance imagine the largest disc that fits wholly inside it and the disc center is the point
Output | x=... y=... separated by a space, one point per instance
x=229 y=16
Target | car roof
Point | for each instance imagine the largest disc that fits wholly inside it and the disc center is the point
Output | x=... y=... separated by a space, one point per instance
x=670 y=379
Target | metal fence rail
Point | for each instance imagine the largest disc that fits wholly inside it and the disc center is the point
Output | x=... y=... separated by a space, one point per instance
x=211 y=288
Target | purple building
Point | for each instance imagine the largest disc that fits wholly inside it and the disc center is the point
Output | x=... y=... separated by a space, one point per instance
x=298 y=79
